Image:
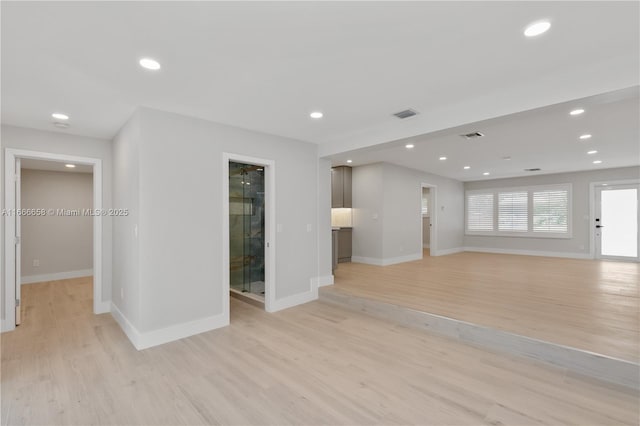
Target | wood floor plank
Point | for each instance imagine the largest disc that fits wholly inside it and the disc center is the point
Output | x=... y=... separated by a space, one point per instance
x=313 y=364
x=586 y=304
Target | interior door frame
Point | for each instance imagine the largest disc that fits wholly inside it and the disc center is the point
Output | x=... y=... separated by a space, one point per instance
x=592 y=210
x=11 y=272
x=433 y=218
x=269 y=228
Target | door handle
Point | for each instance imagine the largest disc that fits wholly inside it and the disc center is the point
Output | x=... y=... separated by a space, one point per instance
x=599 y=226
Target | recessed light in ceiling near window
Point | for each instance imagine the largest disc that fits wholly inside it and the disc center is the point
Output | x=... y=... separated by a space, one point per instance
x=486 y=173
x=576 y=111
x=537 y=28
x=442 y=158
x=597 y=162
x=316 y=114
x=150 y=64
x=587 y=136
x=60 y=116
x=71 y=166
x=466 y=167
x=592 y=152
x=349 y=161
x=409 y=146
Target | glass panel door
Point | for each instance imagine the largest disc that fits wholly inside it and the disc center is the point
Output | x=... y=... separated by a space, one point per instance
x=617 y=222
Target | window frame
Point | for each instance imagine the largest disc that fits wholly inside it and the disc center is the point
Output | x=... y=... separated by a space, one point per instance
x=521 y=234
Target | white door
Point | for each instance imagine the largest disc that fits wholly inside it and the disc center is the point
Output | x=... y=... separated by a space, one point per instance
x=617 y=222
x=18 y=243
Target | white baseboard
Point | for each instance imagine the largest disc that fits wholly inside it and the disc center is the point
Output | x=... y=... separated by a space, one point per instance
x=8 y=325
x=325 y=280
x=388 y=261
x=568 y=255
x=427 y=245
x=296 y=299
x=30 y=279
x=445 y=252
x=101 y=307
x=160 y=336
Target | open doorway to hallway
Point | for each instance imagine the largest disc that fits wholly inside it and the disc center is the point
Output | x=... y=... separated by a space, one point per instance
x=428 y=219
x=54 y=257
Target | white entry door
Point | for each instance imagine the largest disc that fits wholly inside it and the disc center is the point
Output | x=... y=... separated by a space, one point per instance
x=617 y=222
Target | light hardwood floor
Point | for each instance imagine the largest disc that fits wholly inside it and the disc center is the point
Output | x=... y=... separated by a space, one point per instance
x=315 y=364
x=586 y=304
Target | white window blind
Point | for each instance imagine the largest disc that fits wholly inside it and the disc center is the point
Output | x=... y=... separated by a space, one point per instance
x=513 y=211
x=480 y=212
x=551 y=211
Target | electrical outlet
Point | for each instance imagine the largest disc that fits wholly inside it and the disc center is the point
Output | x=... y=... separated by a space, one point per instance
x=36 y=263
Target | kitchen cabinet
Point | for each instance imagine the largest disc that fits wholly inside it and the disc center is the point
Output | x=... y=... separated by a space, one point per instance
x=344 y=245
x=341 y=187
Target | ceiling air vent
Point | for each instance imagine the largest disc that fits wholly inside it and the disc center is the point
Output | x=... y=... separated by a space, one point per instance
x=472 y=135
x=406 y=113
x=537 y=169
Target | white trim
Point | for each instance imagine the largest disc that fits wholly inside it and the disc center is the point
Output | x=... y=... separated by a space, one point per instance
x=386 y=262
x=144 y=340
x=32 y=279
x=445 y=252
x=324 y=281
x=592 y=210
x=11 y=155
x=568 y=255
x=294 y=300
x=270 y=228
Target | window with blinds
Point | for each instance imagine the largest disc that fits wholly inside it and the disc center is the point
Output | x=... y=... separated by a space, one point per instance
x=513 y=211
x=535 y=211
x=551 y=211
x=480 y=212
x=425 y=205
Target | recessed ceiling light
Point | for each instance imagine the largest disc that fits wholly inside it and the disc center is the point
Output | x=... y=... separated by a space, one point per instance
x=537 y=28
x=592 y=152
x=506 y=158
x=467 y=167
x=71 y=166
x=409 y=146
x=486 y=173
x=597 y=162
x=150 y=64
x=316 y=114
x=576 y=111
x=605 y=184
x=349 y=161
x=587 y=136
x=442 y=158
x=60 y=116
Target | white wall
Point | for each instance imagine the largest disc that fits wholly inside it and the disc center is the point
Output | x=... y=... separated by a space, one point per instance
x=59 y=243
x=325 y=274
x=62 y=143
x=394 y=193
x=179 y=169
x=126 y=195
x=579 y=244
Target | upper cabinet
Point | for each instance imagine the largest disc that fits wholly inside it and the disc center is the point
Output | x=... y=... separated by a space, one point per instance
x=341 y=187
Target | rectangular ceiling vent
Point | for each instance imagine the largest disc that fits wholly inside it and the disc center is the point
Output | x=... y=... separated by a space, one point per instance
x=533 y=170
x=406 y=113
x=472 y=135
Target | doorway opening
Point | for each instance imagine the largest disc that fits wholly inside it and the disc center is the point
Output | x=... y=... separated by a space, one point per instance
x=248 y=253
x=428 y=219
x=247 y=230
x=617 y=223
x=46 y=263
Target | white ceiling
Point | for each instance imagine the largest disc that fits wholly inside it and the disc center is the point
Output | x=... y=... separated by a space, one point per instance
x=53 y=166
x=545 y=138
x=265 y=66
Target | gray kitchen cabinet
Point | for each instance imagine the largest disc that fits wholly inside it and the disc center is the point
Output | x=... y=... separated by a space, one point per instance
x=341 y=187
x=344 y=245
